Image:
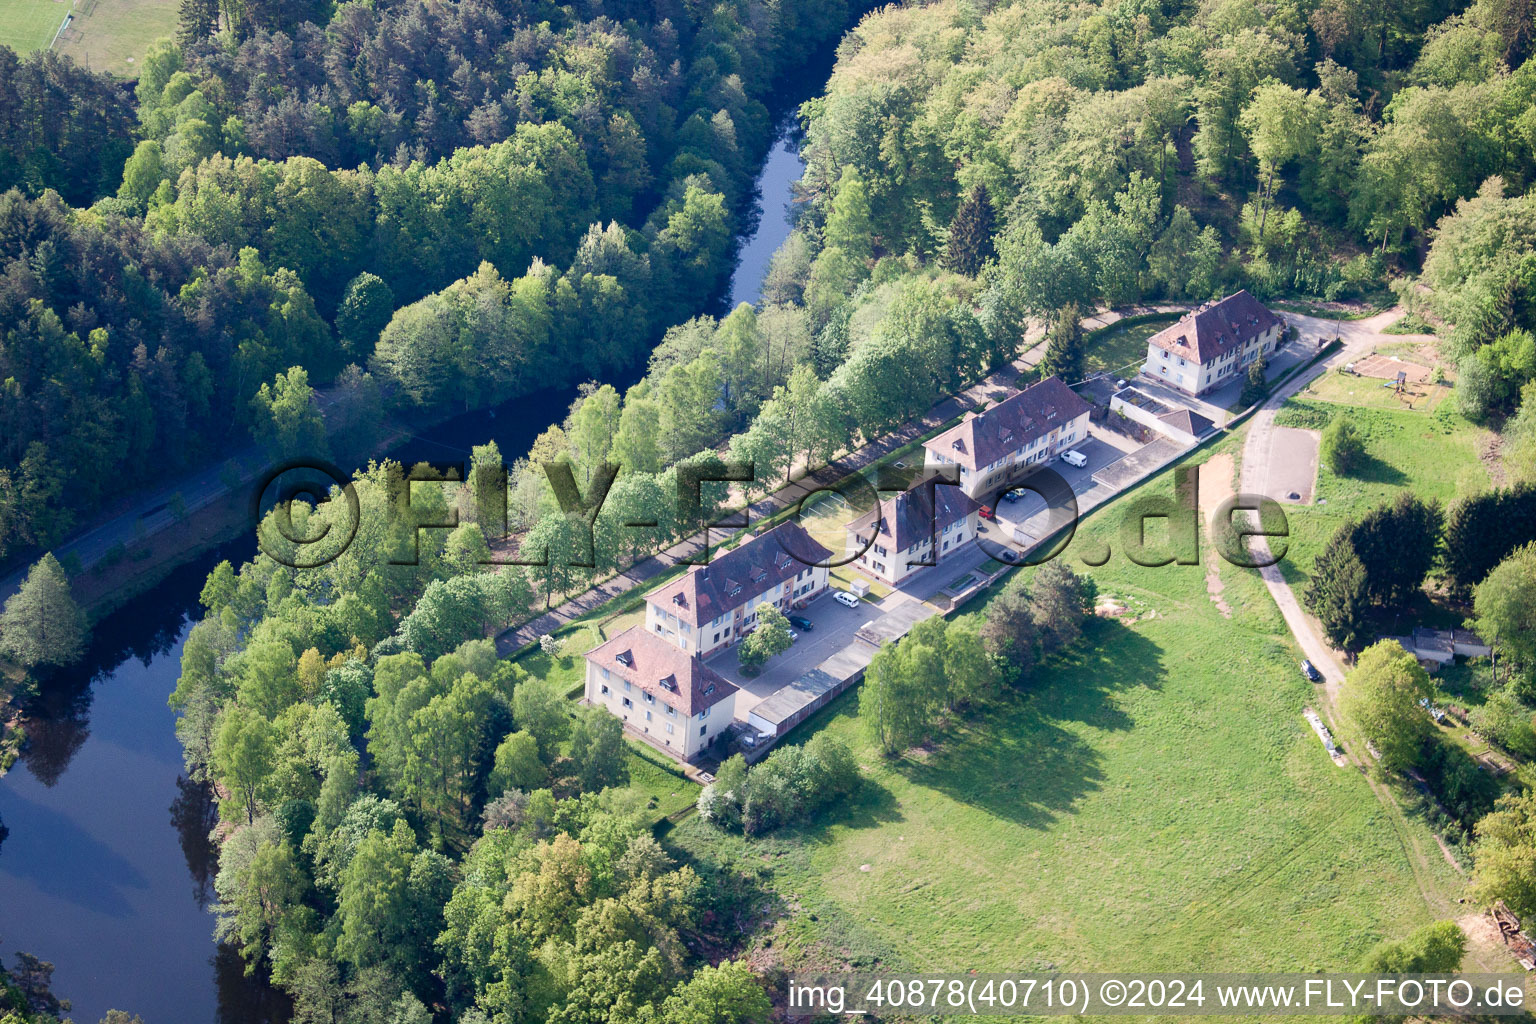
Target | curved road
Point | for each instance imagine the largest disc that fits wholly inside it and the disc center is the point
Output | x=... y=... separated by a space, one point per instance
x=1359 y=337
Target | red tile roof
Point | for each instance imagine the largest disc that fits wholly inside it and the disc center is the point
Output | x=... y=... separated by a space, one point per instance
x=985 y=437
x=674 y=677
x=916 y=514
x=731 y=579
x=1216 y=328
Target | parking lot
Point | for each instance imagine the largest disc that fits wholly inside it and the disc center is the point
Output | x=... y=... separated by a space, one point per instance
x=835 y=625
x=1022 y=514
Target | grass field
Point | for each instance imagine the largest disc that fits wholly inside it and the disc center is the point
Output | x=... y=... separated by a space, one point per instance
x=1122 y=349
x=27 y=25
x=113 y=35
x=1369 y=393
x=1433 y=455
x=1154 y=801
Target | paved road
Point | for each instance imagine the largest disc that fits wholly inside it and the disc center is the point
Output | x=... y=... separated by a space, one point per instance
x=791 y=493
x=1260 y=468
x=153 y=512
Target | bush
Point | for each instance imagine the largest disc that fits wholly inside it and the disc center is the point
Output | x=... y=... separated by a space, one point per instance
x=1506 y=721
x=791 y=784
x=1342 y=448
x=1466 y=792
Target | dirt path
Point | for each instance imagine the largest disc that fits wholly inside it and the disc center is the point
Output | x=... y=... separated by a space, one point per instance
x=1216 y=486
x=1359 y=336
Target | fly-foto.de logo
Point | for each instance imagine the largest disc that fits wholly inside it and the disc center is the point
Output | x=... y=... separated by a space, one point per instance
x=307 y=513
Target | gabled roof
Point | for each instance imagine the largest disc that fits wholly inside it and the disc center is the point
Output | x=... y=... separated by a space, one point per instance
x=672 y=676
x=985 y=437
x=735 y=577
x=914 y=515
x=1215 y=328
x=1192 y=423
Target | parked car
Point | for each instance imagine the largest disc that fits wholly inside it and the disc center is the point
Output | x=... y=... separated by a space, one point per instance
x=845 y=598
x=986 y=511
x=793 y=636
x=1310 y=671
x=800 y=622
x=1074 y=458
x=1017 y=494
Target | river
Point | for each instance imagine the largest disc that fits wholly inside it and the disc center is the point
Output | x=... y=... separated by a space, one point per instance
x=108 y=871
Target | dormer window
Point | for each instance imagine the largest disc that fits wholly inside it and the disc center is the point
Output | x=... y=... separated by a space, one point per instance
x=624 y=658
x=709 y=689
x=679 y=600
x=735 y=589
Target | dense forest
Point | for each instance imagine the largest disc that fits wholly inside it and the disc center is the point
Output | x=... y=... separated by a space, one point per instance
x=591 y=163
x=972 y=168
x=415 y=825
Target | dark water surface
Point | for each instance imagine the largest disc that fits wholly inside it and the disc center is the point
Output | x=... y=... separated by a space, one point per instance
x=108 y=871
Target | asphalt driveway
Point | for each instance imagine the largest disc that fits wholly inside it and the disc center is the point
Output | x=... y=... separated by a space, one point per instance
x=1291 y=465
x=835 y=626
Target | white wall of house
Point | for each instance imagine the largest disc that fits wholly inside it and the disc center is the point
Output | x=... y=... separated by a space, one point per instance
x=1015 y=464
x=653 y=721
x=1197 y=378
x=894 y=566
x=1149 y=420
x=727 y=628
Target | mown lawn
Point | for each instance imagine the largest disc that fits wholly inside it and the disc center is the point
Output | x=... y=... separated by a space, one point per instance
x=27 y=25
x=114 y=35
x=1152 y=801
x=1343 y=388
x=1432 y=455
x=1121 y=349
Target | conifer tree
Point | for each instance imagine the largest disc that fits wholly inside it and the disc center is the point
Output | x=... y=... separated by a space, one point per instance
x=970 y=233
x=42 y=624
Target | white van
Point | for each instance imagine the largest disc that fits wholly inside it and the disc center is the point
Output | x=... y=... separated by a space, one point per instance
x=1074 y=458
x=843 y=597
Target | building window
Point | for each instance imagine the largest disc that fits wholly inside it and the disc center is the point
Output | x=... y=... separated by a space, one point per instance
x=703 y=729
x=605 y=691
x=671 y=711
x=669 y=728
x=628 y=703
x=647 y=716
x=650 y=698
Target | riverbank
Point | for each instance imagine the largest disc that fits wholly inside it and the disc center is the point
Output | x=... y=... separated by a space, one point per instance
x=108 y=837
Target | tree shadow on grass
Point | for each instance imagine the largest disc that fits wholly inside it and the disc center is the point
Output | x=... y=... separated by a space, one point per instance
x=1373 y=470
x=1017 y=760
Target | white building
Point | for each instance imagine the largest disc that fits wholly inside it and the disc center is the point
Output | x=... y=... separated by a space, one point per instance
x=716 y=604
x=1007 y=441
x=1211 y=346
x=921 y=526
x=666 y=697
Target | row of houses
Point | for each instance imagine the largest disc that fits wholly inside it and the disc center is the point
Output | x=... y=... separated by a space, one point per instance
x=655 y=677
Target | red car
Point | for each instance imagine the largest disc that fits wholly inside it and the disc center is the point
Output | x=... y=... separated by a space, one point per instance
x=986 y=511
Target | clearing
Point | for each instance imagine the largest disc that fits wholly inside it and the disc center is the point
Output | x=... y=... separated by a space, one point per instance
x=1369 y=392
x=1432 y=455
x=1153 y=800
x=113 y=35
x=27 y=25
